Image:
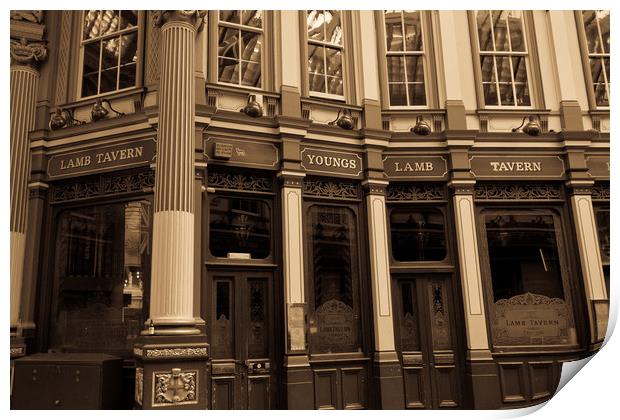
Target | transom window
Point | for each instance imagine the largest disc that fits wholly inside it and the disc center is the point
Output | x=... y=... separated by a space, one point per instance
x=596 y=27
x=325 y=52
x=404 y=57
x=240 y=47
x=109 y=51
x=503 y=55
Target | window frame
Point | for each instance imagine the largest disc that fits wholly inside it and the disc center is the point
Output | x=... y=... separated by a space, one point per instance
x=348 y=76
x=532 y=65
x=585 y=60
x=429 y=61
x=267 y=64
x=80 y=59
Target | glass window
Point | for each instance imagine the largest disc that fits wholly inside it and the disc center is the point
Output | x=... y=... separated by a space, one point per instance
x=240 y=47
x=503 y=55
x=101 y=270
x=596 y=27
x=334 y=322
x=604 y=238
x=325 y=51
x=530 y=305
x=418 y=234
x=239 y=226
x=109 y=51
x=404 y=57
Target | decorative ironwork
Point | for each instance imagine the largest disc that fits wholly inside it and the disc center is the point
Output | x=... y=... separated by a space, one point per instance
x=237 y=181
x=175 y=388
x=331 y=189
x=186 y=352
x=102 y=185
x=601 y=192
x=424 y=192
x=517 y=192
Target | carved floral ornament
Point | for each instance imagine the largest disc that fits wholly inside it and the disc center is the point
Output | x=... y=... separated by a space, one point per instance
x=23 y=52
x=194 y=17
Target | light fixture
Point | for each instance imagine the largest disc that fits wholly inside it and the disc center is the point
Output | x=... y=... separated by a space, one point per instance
x=252 y=108
x=532 y=128
x=63 y=118
x=99 y=112
x=421 y=127
x=343 y=120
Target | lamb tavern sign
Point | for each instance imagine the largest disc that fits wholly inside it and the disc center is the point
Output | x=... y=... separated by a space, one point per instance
x=530 y=166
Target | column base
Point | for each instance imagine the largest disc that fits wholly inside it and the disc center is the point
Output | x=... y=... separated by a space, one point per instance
x=18 y=345
x=389 y=381
x=171 y=372
x=298 y=383
x=482 y=383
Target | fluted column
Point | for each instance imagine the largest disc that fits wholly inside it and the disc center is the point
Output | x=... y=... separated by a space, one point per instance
x=23 y=95
x=172 y=287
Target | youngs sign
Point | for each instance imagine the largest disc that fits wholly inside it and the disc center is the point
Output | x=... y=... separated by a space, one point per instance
x=331 y=162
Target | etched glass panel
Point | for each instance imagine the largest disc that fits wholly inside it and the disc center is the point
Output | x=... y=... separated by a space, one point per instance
x=409 y=328
x=334 y=324
x=223 y=344
x=239 y=226
x=439 y=316
x=418 y=234
x=101 y=270
x=530 y=304
x=258 y=328
x=603 y=217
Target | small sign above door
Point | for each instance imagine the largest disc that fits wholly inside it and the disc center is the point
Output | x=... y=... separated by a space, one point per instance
x=598 y=166
x=254 y=154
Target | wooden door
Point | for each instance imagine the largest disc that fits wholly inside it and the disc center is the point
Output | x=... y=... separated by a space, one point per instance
x=427 y=342
x=241 y=338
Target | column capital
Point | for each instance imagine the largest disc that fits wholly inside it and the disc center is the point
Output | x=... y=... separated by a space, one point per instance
x=375 y=186
x=291 y=178
x=27 y=53
x=193 y=17
x=462 y=186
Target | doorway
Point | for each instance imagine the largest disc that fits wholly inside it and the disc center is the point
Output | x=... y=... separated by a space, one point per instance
x=242 y=340
x=425 y=325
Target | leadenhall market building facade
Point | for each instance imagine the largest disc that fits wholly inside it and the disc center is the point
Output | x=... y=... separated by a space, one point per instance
x=306 y=209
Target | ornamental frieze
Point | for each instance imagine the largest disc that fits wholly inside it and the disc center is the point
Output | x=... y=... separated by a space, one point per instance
x=517 y=192
x=330 y=189
x=428 y=192
x=177 y=352
x=231 y=181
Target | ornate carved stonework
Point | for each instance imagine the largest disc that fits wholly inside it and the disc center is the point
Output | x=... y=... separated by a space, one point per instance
x=186 y=352
x=34 y=16
x=194 y=17
x=423 y=192
x=103 y=185
x=231 y=181
x=601 y=192
x=517 y=192
x=175 y=387
x=331 y=189
x=17 y=351
x=139 y=390
x=26 y=53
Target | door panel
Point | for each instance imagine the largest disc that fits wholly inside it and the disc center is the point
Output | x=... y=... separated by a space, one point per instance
x=353 y=387
x=427 y=343
x=325 y=388
x=242 y=342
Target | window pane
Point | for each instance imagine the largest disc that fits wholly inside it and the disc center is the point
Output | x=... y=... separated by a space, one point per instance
x=393 y=30
x=90 y=69
x=251 y=44
x=603 y=217
x=108 y=80
x=500 y=30
x=333 y=27
x=603 y=16
x=316 y=59
x=92 y=23
x=110 y=22
x=314 y=23
x=240 y=225
x=129 y=18
x=490 y=93
x=516 y=30
x=413 y=31
x=415 y=69
x=487 y=66
x=101 y=268
x=252 y=18
x=417 y=94
x=503 y=69
x=398 y=94
x=228 y=44
x=483 y=18
x=127 y=77
x=530 y=306
x=601 y=95
x=316 y=82
x=520 y=77
x=334 y=85
x=230 y=16
x=607 y=73
x=396 y=68
x=334 y=62
x=506 y=95
x=418 y=234
x=250 y=74
x=590 y=19
x=334 y=323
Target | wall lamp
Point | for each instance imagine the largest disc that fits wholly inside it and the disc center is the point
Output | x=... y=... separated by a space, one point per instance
x=63 y=118
x=421 y=127
x=343 y=120
x=99 y=112
x=532 y=128
x=253 y=108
